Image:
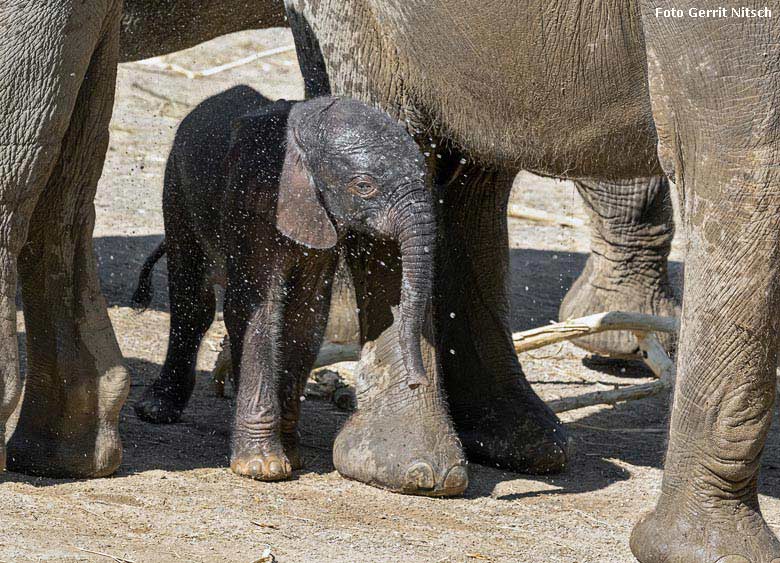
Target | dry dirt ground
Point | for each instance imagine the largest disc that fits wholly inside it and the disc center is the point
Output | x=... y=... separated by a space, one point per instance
x=175 y=500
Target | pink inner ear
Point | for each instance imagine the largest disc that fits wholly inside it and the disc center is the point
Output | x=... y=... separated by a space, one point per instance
x=299 y=214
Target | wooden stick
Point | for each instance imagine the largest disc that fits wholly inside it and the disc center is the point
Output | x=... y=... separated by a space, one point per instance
x=333 y=353
x=592 y=324
x=656 y=359
x=608 y=397
x=191 y=74
x=538 y=216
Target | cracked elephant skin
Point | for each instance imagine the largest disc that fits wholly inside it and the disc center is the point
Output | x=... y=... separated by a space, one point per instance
x=57 y=86
x=589 y=90
x=612 y=96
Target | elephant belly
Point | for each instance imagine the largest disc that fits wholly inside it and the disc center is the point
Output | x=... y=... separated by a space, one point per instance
x=557 y=87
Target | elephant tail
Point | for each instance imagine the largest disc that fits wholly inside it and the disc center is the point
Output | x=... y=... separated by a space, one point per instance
x=142 y=297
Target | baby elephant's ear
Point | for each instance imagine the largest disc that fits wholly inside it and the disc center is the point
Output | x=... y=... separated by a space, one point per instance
x=299 y=212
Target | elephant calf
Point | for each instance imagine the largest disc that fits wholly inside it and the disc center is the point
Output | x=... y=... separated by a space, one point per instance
x=261 y=210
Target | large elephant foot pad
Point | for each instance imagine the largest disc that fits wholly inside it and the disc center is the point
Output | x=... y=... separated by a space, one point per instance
x=403 y=454
x=399 y=439
x=675 y=538
x=158 y=408
x=95 y=453
x=593 y=292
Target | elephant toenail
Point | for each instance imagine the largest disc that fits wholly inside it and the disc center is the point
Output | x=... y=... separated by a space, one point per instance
x=419 y=476
x=733 y=559
x=274 y=469
x=457 y=480
x=254 y=469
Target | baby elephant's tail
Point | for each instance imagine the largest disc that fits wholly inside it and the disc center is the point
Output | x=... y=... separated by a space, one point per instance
x=142 y=297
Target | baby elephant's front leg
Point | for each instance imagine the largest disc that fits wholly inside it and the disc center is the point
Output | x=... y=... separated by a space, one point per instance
x=257 y=450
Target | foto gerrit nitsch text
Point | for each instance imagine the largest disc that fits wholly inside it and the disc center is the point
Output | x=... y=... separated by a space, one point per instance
x=721 y=12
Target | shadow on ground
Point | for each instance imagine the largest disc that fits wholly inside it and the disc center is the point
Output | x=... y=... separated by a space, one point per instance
x=119 y=263
x=202 y=438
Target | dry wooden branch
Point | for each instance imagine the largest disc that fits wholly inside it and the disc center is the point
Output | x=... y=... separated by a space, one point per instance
x=592 y=324
x=191 y=74
x=539 y=216
x=656 y=359
x=642 y=326
x=608 y=397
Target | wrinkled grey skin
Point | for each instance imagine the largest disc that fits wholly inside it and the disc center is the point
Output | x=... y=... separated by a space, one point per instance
x=581 y=93
x=261 y=212
x=575 y=89
x=155 y=27
x=58 y=62
x=631 y=234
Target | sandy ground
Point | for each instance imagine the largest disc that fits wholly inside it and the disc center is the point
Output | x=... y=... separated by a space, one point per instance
x=174 y=499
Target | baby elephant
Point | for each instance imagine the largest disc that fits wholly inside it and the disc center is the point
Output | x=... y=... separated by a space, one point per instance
x=260 y=208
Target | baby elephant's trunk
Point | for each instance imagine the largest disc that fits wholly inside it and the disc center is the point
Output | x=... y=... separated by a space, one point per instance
x=415 y=228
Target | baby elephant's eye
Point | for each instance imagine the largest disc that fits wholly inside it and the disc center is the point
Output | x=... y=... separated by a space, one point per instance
x=363 y=186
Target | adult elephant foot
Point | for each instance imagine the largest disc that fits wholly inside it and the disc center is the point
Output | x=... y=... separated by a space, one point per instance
x=632 y=226
x=500 y=420
x=399 y=439
x=736 y=534
x=76 y=382
x=726 y=385
x=510 y=427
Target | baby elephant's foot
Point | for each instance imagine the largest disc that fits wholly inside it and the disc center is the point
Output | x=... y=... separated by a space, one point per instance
x=266 y=465
x=158 y=408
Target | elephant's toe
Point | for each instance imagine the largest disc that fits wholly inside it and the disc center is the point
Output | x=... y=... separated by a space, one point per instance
x=551 y=457
x=419 y=477
x=270 y=467
x=456 y=481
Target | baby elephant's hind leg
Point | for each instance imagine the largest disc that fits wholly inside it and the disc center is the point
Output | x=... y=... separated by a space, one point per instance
x=192 y=311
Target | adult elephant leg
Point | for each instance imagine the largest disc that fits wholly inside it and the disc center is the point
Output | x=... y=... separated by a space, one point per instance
x=499 y=418
x=398 y=439
x=632 y=226
x=76 y=382
x=726 y=165
x=10 y=384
